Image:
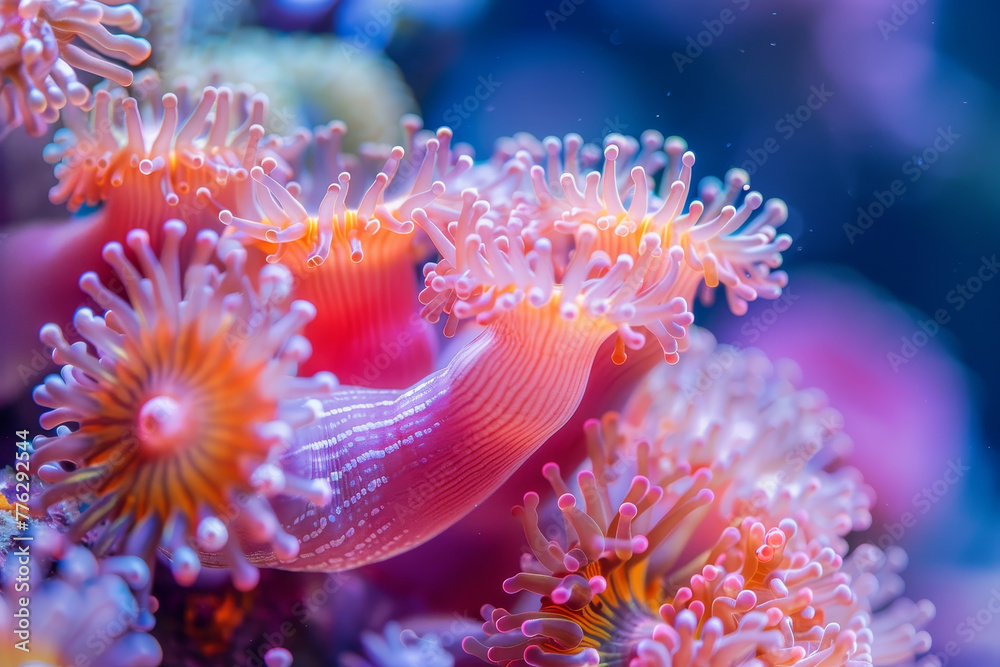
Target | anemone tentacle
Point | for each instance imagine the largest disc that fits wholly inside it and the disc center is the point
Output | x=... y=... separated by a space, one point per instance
x=775 y=450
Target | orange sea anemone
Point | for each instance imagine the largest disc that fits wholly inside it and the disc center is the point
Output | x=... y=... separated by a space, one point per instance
x=183 y=399
x=150 y=159
x=352 y=251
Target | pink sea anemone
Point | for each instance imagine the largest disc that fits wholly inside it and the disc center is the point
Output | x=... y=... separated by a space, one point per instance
x=616 y=587
x=40 y=51
x=351 y=250
x=714 y=239
x=775 y=451
x=148 y=159
x=143 y=161
x=405 y=465
x=521 y=182
x=183 y=410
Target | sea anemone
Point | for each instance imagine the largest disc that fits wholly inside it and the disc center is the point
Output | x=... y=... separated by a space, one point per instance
x=40 y=53
x=720 y=245
x=351 y=250
x=414 y=462
x=82 y=610
x=489 y=270
x=611 y=591
x=143 y=163
x=183 y=411
x=152 y=158
x=567 y=207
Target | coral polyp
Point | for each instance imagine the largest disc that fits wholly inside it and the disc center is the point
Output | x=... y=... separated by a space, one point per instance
x=41 y=49
x=183 y=411
x=775 y=450
x=614 y=591
x=142 y=161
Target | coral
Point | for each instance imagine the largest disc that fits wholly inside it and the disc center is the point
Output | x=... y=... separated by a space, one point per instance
x=719 y=245
x=416 y=453
x=143 y=161
x=711 y=237
x=487 y=270
x=184 y=409
x=85 y=611
x=40 y=53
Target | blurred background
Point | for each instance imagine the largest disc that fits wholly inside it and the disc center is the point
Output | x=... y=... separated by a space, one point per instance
x=875 y=120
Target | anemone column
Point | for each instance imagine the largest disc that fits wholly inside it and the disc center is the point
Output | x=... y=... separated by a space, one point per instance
x=405 y=466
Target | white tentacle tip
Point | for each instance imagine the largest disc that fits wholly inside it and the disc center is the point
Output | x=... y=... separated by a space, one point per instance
x=212 y=534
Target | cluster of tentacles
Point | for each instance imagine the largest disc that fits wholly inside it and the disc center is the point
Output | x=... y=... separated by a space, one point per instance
x=653 y=563
x=254 y=377
x=41 y=48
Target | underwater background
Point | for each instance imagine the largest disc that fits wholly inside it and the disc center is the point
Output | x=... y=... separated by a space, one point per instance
x=876 y=121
